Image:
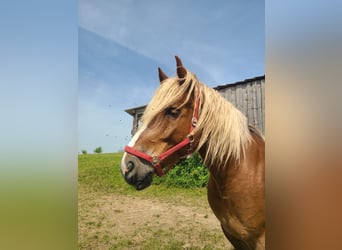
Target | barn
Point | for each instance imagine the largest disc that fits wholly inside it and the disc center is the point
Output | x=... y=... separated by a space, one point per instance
x=247 y=95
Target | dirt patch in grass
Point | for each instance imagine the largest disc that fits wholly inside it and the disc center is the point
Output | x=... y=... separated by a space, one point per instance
x=115 y=221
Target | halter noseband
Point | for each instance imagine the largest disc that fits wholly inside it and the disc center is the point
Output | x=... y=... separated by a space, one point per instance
x=156 y=160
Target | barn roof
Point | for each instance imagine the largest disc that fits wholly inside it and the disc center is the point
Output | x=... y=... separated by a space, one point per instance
x=133 y=111
x=257 y=78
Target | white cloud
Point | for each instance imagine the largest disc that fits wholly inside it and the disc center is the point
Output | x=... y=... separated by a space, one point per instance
x=202 y=33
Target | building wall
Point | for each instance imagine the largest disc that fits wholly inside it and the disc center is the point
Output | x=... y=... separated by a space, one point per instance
x=249 y=97
x=137 y=114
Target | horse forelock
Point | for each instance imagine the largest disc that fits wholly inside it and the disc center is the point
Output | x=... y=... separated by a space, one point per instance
x=168 y=93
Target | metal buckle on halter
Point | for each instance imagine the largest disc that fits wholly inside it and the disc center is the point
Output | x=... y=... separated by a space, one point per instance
x=155 y=160
x=191 y=140
x=194 y=121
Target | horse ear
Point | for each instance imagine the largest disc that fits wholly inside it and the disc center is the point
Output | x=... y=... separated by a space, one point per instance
x=162 y=75
x=181 y=71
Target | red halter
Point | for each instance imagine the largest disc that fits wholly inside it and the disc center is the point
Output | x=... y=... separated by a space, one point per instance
x=155 y=160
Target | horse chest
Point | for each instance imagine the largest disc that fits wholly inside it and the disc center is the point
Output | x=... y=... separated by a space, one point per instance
x=226 y=209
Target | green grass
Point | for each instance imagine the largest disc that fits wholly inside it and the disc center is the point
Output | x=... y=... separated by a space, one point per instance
x=99 y=176
x=101 y=172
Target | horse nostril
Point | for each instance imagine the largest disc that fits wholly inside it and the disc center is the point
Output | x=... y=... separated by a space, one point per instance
x=130 y=166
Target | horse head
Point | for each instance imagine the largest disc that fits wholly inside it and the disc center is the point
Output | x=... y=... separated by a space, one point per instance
x=166 y=134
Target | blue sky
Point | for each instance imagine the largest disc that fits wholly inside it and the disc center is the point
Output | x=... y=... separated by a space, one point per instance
x=121 y=43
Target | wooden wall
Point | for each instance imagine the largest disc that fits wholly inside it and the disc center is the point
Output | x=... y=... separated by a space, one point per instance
x=249 y=97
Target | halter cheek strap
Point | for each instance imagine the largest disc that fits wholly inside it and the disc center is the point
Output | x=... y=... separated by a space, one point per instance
x=156 y=160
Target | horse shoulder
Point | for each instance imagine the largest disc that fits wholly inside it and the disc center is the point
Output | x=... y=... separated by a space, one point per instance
x=236 y=194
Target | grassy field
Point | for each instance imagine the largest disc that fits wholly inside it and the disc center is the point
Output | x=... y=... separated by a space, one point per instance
x=101 y=172
x=113 y=215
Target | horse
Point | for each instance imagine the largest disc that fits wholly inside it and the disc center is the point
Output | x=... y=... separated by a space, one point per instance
x=185 y=116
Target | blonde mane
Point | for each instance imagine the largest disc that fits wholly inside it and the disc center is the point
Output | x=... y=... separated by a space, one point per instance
x=223 y=128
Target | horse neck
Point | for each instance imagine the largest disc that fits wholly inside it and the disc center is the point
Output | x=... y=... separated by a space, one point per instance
x=215 y=167
x=218 y=174
x=221 y=170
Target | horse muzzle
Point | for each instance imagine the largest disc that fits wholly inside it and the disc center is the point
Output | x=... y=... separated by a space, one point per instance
x=137 y=172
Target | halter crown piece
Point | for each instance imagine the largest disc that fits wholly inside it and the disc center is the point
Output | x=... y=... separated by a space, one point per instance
x=156 y=160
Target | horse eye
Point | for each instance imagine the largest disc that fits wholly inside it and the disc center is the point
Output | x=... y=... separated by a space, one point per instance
x=172 y=111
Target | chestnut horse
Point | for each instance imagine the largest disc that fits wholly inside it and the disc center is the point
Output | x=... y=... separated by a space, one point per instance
x=186 y=116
